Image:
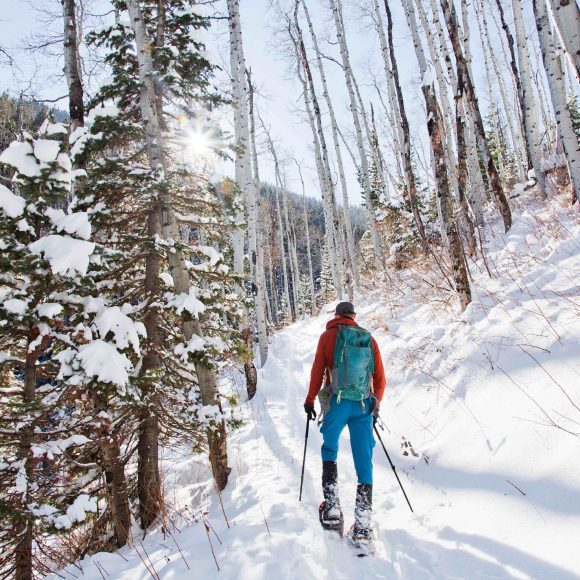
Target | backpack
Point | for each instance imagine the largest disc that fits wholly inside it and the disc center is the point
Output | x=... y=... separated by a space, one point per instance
x=353 y=364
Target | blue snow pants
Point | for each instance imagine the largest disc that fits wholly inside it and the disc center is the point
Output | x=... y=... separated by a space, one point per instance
x=360 y=426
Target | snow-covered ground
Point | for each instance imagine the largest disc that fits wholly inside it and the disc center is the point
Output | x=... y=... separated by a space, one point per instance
x=484 y=405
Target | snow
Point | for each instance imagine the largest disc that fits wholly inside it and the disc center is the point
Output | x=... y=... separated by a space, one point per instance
x=12 y=205
x=76 y=512
x=66 y=255
x=49 y=310
x=466 y=421
x=106 y=111
x=187 y=302
x=76 y=223
x=194 y=344
x=49 y=129
x=101 y=360
x=15 y=306
x=30 y=158
x=51 y=448
x=46 y=150
x=126 y=331
x=20 y=156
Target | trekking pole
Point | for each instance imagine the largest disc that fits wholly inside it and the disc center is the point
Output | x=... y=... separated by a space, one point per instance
x=304 y=458
x=393 y=467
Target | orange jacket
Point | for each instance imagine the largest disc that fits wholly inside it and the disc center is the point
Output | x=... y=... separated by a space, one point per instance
x=325 y=356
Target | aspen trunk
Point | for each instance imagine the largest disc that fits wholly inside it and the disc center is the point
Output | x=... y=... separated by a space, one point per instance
x=71 y=66
x=308 y=250
x=244 y=181
x=258 y=257
x=435 y=129
x=436 y=135
x=321 y=156
x=567 y=16
x=499 y=195
x=564 y=123
x=377 y=248
x=514 y=126
x=529 y=111
x=334 y=129
x=407 y=159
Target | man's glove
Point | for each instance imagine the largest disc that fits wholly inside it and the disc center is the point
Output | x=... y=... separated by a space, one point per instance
x=309 y=410
x=375 y=415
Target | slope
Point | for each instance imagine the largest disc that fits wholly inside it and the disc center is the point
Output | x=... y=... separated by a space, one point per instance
x=480 y=416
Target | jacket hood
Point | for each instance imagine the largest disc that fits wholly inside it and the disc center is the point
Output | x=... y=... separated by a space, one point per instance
x=343 y=320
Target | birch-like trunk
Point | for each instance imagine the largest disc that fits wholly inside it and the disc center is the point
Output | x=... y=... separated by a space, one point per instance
x=334 y=129
x=567 y=16
x=398 y=136
x=364 y=167
x=308 y=249
x=321 y=156
x=530 y=114
x=568 y=137
x=163 y=217
x=258 y=257
x=514 y=126
x=476 y=193
x=283 y=236
x=244 y=181
x=495 y=182
x=407 y=159
x=436 y=132
x=435 y=129
x=71 y=66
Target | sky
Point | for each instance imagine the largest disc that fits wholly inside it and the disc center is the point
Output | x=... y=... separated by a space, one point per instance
x=280 y=99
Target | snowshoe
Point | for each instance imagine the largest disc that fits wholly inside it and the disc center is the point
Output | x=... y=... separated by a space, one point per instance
x=362 y=540
x=332 y=519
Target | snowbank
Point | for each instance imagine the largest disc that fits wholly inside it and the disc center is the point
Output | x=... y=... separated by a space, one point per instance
x=478 y=416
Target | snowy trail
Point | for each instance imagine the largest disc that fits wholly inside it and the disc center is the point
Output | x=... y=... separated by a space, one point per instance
x=496 y=493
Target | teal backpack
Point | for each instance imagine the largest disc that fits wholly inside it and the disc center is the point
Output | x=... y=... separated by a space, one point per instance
x=353 y=365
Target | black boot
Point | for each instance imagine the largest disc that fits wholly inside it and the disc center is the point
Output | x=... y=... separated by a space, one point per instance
x=329 y=512
x=363 y=511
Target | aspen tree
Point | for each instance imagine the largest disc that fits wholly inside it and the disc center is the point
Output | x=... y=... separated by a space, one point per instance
x=567 y=17
x=321 y=154
x=407 y=161
x=564 y=124
x=499 y=195
x=338 y=154
x=530 y=116
x=364 y=168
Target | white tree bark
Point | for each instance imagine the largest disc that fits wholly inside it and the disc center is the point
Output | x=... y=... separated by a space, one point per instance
x=334 y=129
x=530 y=112
x=308 y=249
x=377 y=248
x=513 y=124
x=321 y=157
x=259 y=276
x=557 y=86
x=567 y=16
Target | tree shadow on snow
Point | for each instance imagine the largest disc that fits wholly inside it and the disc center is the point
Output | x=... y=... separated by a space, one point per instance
x=509 y=556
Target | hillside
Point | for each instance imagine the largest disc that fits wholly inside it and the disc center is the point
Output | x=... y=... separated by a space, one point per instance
x=481 y=417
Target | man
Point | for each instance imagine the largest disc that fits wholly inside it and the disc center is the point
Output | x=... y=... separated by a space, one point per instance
x=352 y=395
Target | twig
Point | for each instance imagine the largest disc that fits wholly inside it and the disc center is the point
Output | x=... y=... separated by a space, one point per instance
x=265 y=521
x=210 y=544
x=222 y=505
x=515 y=486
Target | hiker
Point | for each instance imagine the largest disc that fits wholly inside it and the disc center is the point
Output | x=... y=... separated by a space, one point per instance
x=355 y=383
